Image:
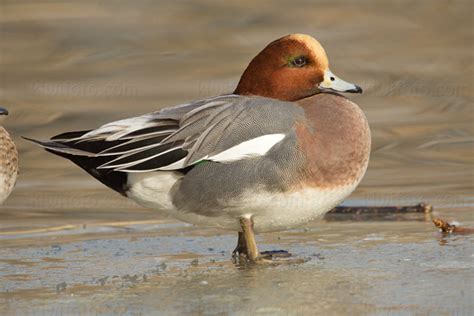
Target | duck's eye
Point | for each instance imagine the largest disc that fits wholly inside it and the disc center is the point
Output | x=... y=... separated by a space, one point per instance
x=299 y=61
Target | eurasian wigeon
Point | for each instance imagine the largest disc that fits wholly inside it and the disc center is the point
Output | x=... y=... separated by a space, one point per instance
x=8 y=162
x=280 y=151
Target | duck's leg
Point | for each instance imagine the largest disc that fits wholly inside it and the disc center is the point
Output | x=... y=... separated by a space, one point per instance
x=251 y=251
x=247 y=237
x=241 y=247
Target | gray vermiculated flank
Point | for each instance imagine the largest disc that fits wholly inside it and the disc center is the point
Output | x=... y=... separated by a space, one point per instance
x=204 y=188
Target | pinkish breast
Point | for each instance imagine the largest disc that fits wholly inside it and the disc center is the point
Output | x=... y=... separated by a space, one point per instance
x=334 y=141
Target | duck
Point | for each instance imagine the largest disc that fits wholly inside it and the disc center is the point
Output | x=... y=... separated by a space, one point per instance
x=8 y=161
x=280 y=151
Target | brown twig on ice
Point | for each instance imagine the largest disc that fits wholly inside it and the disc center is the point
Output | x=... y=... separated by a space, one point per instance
x=450 y=228
x=419 y=208
x=380 y=213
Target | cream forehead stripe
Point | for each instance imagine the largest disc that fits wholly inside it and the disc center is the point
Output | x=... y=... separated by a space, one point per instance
x=313 y=45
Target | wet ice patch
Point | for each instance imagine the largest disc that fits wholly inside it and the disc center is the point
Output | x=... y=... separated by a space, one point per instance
x=374 y=237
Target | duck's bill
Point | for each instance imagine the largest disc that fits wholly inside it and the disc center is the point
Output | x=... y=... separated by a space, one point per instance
x=3 y=111
x=332 y=82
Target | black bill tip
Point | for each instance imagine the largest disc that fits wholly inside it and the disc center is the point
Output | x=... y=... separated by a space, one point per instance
x=3 y=111
x=357 y=89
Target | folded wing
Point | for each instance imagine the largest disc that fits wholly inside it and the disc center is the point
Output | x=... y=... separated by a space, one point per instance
x=221 y=129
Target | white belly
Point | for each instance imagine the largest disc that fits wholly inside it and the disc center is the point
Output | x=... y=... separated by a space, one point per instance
x=282 y=211
x=270 y=211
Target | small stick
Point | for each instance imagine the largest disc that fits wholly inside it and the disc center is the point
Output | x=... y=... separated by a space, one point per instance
x=419 y=208
x=450 y=228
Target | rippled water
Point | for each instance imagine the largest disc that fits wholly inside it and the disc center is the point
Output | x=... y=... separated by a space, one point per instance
x=66 y=240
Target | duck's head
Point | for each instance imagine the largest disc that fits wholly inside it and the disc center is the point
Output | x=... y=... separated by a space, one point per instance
x=291 y=68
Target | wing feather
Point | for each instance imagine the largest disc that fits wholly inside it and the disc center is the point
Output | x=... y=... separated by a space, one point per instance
x=133 y=158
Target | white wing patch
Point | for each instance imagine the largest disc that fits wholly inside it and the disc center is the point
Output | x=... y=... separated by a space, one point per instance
x=251 y=148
